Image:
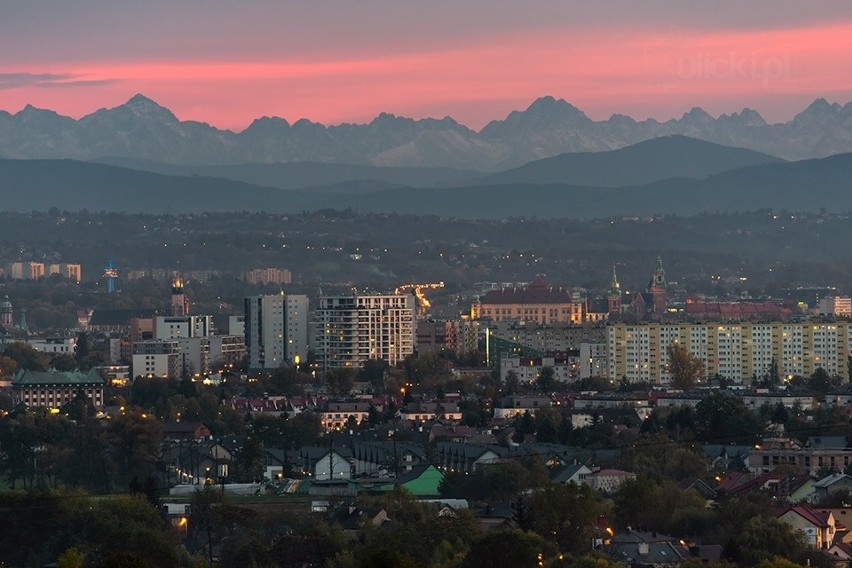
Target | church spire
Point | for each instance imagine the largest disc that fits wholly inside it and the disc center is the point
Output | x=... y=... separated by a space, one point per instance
x=614 y=286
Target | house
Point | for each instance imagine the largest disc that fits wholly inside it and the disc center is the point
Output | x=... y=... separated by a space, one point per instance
x=841 y=552
x=832 y=483
x=352 y=518
x=336 y=415
x=186 y=431
x=643 y=549
x=195 y=462
x=727 y=457
x=278 y=464
x=452 y=456
x=511 y=406
x=817 y=526
x=699 y=486
x=499 y=516
x=425 y=411
x=385 y=457
x=576 y=473
x=326 y=463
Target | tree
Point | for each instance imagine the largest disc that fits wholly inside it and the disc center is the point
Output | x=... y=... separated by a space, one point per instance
x=507 y=548
x=565 y=515
x=763 y=538
x=546 y=380
x=373 y=372
x=512 y=383
x=82 y=350
x=26 y=357
x=684 y=367
x=726 y=419
x=821 y=382
x=340 y=381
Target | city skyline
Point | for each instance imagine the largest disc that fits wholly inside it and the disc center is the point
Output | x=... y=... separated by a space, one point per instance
x=335 y=63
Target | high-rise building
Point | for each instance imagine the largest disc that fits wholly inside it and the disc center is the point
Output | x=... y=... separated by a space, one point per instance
x=349 y=330
x=276 y=330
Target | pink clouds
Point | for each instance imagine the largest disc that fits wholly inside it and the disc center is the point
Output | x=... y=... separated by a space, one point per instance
x=633 y=70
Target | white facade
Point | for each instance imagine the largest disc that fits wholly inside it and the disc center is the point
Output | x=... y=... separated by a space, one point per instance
x=176 y=327
x=737 y=352
x=54 y=345
x=156 y=358
x=349 y=330
x=592 y=360
x=276 y=329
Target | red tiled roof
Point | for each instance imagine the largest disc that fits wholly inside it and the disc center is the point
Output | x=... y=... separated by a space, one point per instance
x=538 y=292
x=816 y=518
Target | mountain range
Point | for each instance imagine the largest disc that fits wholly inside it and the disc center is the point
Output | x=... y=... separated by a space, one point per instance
x=143 y=130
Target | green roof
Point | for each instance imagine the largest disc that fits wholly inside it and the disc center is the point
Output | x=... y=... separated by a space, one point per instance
x=58 y=378
x=422 y=481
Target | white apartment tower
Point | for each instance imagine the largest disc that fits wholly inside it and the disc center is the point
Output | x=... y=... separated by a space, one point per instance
x=349 y=330
x=276 y=330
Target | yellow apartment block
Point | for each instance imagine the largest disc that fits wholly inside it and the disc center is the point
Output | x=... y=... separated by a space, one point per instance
x=734 y=351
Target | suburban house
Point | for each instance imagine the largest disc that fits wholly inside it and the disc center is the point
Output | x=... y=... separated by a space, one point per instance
x=186 y=431
x=727 y=457
x=452 y=456
x=336 y=415
x=386 y=457
x=817 y=526
x=576 y=473
x=196 y=462
x=511 y=406
x=322 y=463
x=426 y=411
x=832 y=483
x=644 y=549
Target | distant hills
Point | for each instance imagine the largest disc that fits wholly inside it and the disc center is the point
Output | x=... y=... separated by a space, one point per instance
x=645 y=162
x=142 y=130
x=294 y=175
x=674 y=175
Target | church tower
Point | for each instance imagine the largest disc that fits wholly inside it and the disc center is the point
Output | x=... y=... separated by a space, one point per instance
x=657 y=288
x=613 y=299
x=180 y=305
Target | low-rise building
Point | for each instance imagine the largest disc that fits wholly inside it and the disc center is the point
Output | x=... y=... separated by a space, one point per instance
x=54 y=389
x=516 y=405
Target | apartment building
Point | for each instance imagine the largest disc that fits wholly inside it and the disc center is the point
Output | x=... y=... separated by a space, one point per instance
x=349 y=330
x=736 y=352
x=276 y=329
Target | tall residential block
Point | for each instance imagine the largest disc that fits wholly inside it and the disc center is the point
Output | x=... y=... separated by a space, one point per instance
x=349 y=330
x=737 y=352
x=276 y=330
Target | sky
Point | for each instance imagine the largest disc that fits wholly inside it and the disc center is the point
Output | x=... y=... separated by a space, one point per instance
x=226 y=62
